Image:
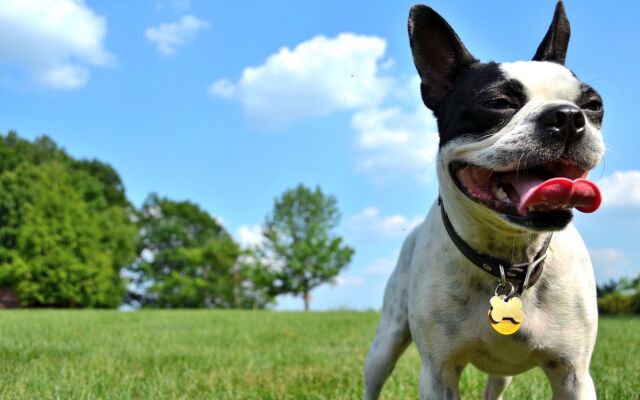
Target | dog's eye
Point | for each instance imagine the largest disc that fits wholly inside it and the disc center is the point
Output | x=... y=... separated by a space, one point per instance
x=499 y=104
x=593 y=105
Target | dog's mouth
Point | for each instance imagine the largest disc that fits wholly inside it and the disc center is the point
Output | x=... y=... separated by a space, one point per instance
x=549 y=190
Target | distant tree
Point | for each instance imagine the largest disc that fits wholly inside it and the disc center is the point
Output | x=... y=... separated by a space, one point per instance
x=252 y=282
x=624 y=284
x=619 y=297
x=300 y=242
x=187 y=259
x=63 y=239
x=606 y=288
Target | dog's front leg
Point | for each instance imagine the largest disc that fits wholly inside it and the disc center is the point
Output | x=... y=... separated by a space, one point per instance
x=439 y=382
x=496 y=386
x=569 y=383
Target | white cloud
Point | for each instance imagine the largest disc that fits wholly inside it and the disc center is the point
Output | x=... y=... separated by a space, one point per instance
x=54 y=41
x=606 y=254
x=397 y=140
x=318 y=77
x=392 y=141
x=621 y=189
x=381 y=266
x=166 y=37
x=65 y=77
x=609 y=263
x=250 y=235
x=394 y=133
x=370 y=223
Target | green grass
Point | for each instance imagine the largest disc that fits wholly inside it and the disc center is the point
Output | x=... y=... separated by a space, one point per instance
x=243 y=355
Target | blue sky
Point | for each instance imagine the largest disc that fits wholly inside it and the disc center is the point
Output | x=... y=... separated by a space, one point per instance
x=228 y=104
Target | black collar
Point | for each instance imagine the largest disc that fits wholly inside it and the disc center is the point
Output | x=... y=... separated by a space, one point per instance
x=515 y=272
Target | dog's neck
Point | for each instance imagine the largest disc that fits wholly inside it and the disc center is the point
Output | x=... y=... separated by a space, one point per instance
x=486 y=233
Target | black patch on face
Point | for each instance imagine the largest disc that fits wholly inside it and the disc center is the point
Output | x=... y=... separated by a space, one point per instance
x=591 y=104
x=481 y=103
x=551 y=364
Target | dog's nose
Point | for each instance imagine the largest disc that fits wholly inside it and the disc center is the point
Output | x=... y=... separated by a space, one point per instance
x=565 y=120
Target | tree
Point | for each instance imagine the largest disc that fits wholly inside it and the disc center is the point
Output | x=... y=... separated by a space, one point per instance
x=187 y=259
x=252 y=282
x=63 y=240
x=300 y=241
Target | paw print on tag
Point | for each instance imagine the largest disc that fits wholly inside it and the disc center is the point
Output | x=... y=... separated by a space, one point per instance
x=505 y=317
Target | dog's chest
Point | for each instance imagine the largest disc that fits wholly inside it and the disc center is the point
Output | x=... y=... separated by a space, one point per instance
x=495 y=353
x=504 y=355
x=456 y=319
x=449 y=300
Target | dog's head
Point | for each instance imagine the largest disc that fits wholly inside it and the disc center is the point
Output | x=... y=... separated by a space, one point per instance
x=516 y=139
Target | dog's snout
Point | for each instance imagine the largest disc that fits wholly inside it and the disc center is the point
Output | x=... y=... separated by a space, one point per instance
x=566 y=121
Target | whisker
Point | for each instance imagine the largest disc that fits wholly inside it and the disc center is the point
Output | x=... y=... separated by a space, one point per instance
x=518 y=166
x=604 y=168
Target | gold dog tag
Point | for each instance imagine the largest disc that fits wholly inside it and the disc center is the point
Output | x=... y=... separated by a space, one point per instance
x=505 y=317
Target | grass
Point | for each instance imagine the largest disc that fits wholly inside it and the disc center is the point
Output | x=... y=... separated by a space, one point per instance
x=243 y=355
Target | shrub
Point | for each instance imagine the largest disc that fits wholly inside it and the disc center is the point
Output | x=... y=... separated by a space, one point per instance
x=617 y=303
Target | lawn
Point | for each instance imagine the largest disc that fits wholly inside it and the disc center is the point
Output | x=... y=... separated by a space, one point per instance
x=242 y=355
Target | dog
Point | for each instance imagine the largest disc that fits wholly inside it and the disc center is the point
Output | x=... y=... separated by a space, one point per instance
x=497 y=276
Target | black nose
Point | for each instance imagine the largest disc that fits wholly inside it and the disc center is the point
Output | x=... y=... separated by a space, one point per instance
x=566 y=121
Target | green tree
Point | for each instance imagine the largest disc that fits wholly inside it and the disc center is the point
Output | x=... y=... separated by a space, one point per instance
x=63 y=240
x=300 y=242
x=189 y=260
x=252 y=281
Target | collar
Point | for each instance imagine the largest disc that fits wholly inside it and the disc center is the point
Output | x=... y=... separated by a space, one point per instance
x=525 y=274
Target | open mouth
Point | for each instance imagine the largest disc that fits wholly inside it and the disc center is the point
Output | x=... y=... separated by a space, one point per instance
x=551 y=189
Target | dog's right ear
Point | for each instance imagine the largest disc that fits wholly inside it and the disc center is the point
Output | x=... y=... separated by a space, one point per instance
x=438 y=53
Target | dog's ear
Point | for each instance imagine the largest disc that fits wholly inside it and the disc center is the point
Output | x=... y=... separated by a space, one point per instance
x=555 y=43
x=438 y=53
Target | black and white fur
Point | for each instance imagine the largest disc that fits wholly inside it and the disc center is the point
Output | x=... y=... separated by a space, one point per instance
x=489 y=115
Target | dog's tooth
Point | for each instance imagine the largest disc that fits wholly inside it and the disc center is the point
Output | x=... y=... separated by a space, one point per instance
x=501 y=194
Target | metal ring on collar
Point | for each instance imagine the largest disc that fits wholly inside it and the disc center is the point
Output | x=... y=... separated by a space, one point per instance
x=508 y=284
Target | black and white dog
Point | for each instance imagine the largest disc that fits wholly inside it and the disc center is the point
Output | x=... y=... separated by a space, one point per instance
x=516 y=143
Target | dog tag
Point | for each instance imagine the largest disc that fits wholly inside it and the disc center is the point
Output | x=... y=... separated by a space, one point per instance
x=505 y=317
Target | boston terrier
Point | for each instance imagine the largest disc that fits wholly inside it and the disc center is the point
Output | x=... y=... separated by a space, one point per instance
x=497 y=275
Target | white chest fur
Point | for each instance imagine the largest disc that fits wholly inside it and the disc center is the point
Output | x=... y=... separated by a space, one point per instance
x=449 y=298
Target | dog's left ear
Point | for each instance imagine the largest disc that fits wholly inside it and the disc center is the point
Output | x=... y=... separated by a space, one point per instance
x=555 y=43
x=438 y=53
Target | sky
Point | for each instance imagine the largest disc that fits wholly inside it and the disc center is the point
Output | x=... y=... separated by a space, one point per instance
x=228 y=104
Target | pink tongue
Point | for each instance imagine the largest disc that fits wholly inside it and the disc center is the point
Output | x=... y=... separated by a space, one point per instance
x=558 y=193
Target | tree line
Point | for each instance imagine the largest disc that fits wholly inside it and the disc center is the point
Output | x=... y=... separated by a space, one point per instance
x=620 y=296
x=69 y=237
